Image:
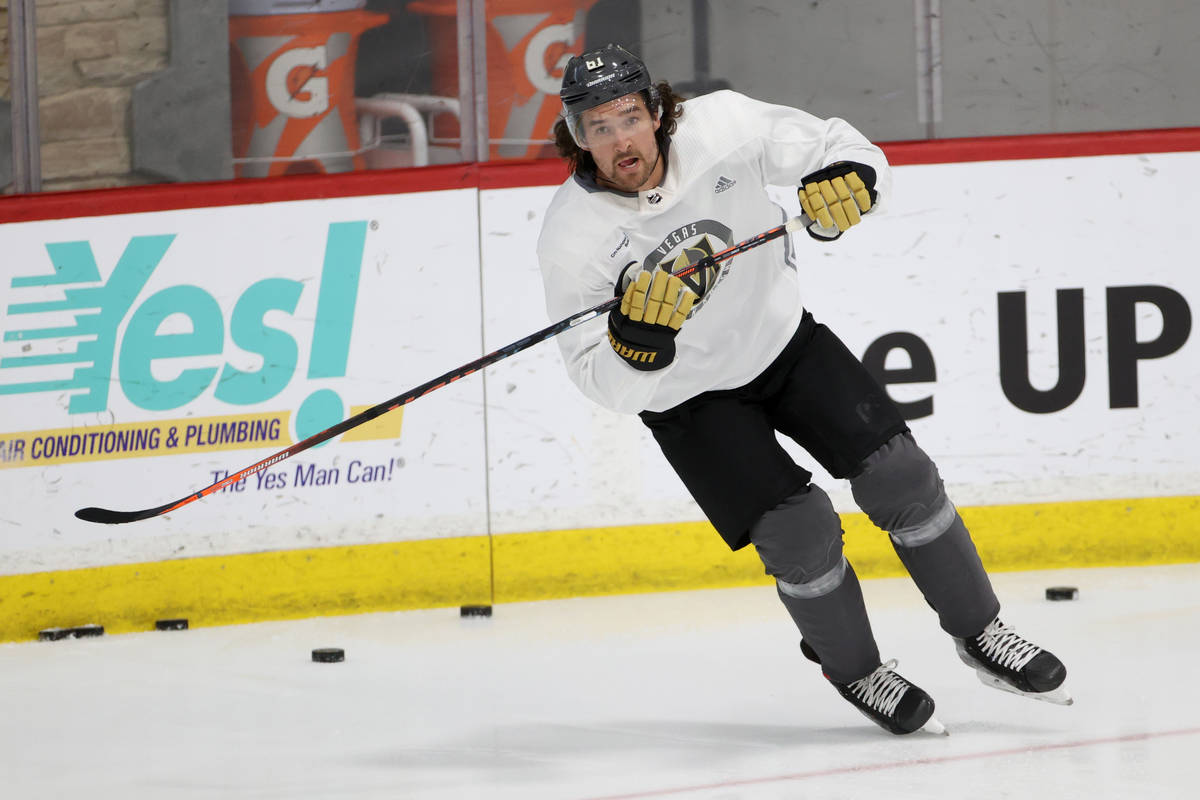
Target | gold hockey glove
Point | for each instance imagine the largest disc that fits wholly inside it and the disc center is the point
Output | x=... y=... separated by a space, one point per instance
x=836 y=197
x=642 y=331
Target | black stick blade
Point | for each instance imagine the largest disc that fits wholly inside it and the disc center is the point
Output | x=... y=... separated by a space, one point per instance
x=107 y=516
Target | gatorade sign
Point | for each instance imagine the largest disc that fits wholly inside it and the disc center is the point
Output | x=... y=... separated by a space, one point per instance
x=292 y=85
x=529 y=43
x=311 y=96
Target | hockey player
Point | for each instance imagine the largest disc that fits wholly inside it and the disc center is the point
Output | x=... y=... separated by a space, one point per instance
x=716 y=363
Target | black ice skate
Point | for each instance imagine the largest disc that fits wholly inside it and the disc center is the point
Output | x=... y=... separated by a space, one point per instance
x=1003 y=660
x=887 y=699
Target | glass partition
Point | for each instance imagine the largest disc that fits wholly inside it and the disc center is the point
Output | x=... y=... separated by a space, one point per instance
x=527 y=45
x=6 y=142
x=345 y=85
x=15 y=42
x=148 y=91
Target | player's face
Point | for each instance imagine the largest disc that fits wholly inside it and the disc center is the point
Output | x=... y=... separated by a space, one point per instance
x=620 y=137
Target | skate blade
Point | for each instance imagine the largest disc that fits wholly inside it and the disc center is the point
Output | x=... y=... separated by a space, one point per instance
x=934 y=726
x=1059 y=696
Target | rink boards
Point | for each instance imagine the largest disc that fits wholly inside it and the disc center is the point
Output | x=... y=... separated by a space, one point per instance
x=1034 y=315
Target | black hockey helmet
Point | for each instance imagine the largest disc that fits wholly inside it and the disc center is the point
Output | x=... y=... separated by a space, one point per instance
x=599 y=76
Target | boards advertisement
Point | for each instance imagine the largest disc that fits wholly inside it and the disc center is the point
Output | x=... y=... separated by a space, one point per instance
x=1038 y=334
x=1033 y=318
x=146 y=356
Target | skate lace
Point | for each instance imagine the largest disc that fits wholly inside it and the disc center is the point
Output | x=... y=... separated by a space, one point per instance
x=1001 y=643
x=882 y=689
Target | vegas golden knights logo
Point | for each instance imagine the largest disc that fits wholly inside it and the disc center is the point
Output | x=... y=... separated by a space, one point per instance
x=688 y=244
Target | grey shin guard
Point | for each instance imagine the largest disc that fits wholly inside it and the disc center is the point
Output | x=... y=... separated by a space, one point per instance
x=834 y=623
x=800 y=544
x=950 y=575
x=900 y=490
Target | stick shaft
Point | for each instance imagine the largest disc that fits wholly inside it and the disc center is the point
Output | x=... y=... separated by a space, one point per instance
x=115 y=517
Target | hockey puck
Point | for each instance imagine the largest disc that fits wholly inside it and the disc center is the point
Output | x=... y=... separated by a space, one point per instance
x=1062 y=593
x=78 y=632
x=328 y=655
x=475 y=611
x=171 y=625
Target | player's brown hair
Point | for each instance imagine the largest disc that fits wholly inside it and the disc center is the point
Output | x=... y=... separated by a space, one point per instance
x=580 y=160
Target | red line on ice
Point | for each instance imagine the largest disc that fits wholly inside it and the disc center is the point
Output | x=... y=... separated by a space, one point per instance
x=916 y=762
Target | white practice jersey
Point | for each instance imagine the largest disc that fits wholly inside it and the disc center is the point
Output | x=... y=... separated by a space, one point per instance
x=726 y=150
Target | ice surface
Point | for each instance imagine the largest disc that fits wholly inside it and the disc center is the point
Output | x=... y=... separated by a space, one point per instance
x=697 y=695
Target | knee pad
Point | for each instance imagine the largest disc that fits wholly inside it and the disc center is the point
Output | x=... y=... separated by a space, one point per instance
x=800 y=544
x=901 y=492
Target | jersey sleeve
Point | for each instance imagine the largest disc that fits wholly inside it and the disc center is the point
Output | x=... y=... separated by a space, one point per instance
x=791 y=143
x=591 y=363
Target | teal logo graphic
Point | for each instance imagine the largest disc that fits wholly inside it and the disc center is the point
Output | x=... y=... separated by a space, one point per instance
x=100 y=310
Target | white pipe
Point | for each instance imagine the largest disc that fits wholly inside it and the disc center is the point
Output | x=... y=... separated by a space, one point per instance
x=381 y=106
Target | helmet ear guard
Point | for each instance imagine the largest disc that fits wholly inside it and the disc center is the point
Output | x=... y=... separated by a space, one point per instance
x=654 y=102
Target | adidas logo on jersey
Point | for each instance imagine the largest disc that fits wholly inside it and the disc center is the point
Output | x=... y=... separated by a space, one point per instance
x=723 y=183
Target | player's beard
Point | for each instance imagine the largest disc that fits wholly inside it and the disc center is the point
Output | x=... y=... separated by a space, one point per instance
x=629 y=180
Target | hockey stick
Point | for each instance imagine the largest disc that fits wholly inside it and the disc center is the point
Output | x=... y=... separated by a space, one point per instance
x=107 y=516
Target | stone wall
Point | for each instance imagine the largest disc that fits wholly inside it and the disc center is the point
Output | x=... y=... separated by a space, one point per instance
x=90 y=55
